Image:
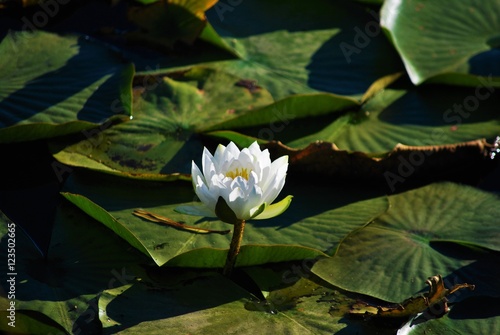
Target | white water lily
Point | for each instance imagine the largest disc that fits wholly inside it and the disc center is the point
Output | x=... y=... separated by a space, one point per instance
x=246 y=180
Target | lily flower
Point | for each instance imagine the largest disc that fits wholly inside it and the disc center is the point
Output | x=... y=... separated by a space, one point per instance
x=237 y=185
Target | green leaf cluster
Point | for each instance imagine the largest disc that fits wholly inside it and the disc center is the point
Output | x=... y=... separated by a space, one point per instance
x=105 y=104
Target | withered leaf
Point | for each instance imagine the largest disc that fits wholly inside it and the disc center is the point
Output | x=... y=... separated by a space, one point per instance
x=403 y=162
x=169 y=222
x=437 y=295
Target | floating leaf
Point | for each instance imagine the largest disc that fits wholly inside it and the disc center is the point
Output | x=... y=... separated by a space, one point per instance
x=305 y=231
x=55 y=85
x=162 y=138
x=308 y=47
x=452 y=48
x=420 y=116
x=440 y=228
x=82 y=260
x=215 y=305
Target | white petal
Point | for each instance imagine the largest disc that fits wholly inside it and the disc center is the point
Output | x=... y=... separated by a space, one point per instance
x=276 y=180
x=195 y=172
x=254 y=148
x=245 y=159
x=219 y=157
x=274 y=167
x=207 y=196
x=233 y=149
x=207 y=164
x=236 y=201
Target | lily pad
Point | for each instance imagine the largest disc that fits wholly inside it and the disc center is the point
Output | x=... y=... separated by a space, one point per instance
x=443 y=47
x=411 y=116
x=275 y=117
x=421 y=116
x=312 y=226
x=314 y=46
x=214 y=305
x=55 y=85
x=436 y=229
x=83 y=259
x=162 y=138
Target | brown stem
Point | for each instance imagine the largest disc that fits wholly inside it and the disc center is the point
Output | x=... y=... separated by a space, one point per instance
x=234 y=247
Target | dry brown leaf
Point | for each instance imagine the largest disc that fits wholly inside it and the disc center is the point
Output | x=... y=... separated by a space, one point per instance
x=403 y=162
x=437 y=295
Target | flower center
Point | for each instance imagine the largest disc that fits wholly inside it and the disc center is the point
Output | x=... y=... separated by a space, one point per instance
x=243 y=173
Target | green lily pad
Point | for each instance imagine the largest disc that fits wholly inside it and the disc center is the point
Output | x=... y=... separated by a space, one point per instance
x=162 y=138
x=304 y=47
x=27 y=322
x=451 y=48
x=436 y=229
x=55 y=85
x=215 y=305
x=312 y=226
x=420 y=116
x=56 y=290
x=275 y=117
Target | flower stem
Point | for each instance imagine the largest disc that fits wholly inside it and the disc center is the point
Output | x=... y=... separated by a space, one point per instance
x=234 y=247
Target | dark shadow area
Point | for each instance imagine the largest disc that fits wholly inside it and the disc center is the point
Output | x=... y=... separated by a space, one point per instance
x=291 y=130
x=486 y=63
x=345 y=64
x=476 y=308
x=29 y=188
x=181 y=162
x=117 y=193
x=84 y=257
x=483 y=270
x=311 y=198
x=299 y=17
x=441 y=105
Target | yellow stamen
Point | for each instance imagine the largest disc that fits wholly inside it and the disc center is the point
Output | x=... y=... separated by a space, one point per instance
x=244 y=173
